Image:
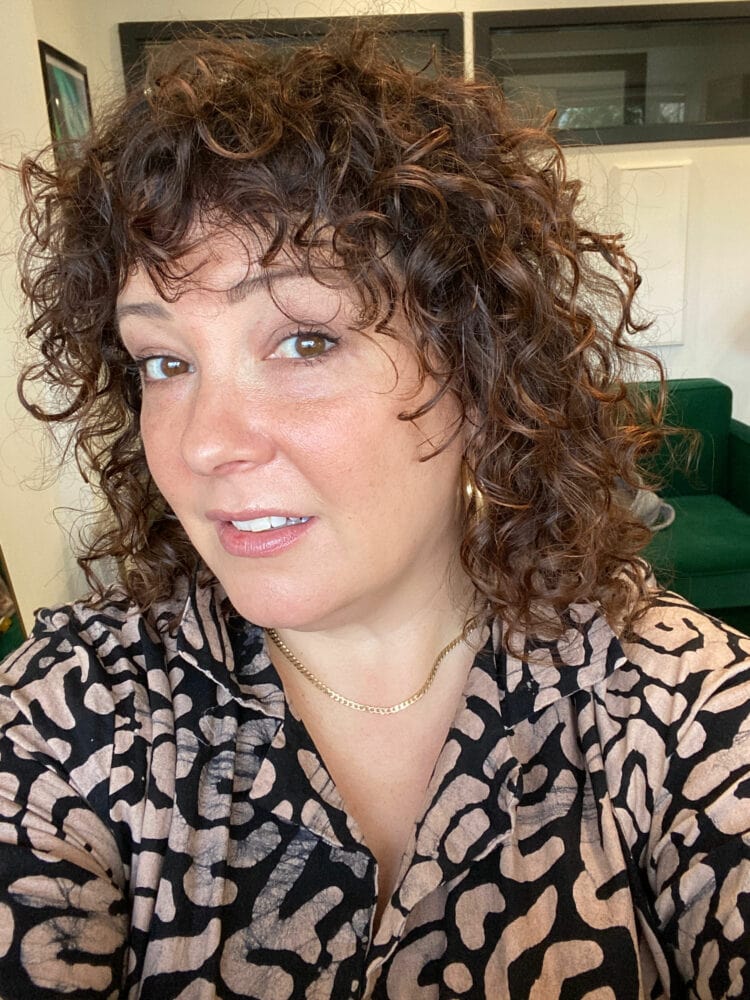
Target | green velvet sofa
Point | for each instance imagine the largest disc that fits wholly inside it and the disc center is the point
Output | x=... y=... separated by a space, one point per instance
x=705 y=554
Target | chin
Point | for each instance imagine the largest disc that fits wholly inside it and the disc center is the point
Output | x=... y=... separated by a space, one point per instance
x=278 y=609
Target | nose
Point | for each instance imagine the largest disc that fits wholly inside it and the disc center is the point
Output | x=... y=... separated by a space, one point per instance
x=226 y=428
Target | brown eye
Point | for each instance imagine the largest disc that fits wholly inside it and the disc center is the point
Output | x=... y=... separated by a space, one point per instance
x=311 y=345
x=305 y=346
x=157 y=369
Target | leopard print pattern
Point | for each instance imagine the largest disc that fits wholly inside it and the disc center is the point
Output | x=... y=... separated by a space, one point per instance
x=168 y=829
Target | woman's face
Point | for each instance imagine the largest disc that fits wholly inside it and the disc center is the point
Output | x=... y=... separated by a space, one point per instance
x=277 y=443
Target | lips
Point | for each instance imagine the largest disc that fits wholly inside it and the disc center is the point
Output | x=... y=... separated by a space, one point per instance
x=256 y=533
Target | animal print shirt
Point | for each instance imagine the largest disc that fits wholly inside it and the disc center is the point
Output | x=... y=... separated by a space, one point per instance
x=168 y=829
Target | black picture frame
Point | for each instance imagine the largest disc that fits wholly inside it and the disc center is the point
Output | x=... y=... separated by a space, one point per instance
x=66 y=89
x=558 y=32
x=413 y=34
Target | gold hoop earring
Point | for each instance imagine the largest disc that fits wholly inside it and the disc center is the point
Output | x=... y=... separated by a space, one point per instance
x=472 y=496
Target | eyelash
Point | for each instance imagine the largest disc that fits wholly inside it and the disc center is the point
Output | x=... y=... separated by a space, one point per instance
x=139 y=365
x=311 y=335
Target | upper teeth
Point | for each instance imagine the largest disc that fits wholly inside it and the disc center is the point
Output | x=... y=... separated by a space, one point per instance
x=266 y=523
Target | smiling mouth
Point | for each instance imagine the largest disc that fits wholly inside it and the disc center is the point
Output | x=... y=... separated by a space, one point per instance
x=267 y=523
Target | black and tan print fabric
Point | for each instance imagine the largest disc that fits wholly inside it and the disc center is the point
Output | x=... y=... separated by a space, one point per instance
x=168 y=830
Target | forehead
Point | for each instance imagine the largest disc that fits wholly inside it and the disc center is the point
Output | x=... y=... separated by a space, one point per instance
x=216 y=261
x=231 y=265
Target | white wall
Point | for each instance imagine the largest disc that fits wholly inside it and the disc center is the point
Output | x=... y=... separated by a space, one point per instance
x=715 y=319
x=715 y=322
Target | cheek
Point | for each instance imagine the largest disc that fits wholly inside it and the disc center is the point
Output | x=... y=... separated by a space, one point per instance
x=160 y=445
x=371 y=449
x=358 y=424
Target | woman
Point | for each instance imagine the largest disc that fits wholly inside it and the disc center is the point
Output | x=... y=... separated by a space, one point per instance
x=383 y=704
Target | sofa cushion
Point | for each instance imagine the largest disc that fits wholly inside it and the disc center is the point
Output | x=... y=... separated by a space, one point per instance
x=710 y=543
x=705 y=405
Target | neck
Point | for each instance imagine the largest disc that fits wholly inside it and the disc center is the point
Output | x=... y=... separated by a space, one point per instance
x=385 y=659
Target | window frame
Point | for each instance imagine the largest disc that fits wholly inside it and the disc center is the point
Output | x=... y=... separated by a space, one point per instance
x=525 y=21
x=135 y=36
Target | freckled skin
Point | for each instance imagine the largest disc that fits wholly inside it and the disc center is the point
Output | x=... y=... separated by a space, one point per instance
x=245 y=422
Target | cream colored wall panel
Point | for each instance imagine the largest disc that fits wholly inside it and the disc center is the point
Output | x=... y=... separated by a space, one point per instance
x=651 y=199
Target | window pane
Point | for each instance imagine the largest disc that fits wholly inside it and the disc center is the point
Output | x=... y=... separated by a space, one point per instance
x=672 y=73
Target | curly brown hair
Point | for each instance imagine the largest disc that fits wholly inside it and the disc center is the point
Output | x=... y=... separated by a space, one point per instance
x=435 y=201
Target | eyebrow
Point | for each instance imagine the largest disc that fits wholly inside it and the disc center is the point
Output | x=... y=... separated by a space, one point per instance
x=235 y=294
x=271 y=275
x=151 y=310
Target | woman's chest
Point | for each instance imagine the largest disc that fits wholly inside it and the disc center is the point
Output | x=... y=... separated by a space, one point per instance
x=510 y=888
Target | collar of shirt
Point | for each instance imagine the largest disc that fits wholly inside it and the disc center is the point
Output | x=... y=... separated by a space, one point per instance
x=471 y=801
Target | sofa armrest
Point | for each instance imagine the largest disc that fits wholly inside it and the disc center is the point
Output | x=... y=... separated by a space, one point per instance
x=739 y=465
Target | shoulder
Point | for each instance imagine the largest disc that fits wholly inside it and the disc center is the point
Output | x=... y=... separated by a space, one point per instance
x=87 y=669
x=113 y=633
x=675 y=717
x=82 y=701
x=675 y=701
x=674 y=647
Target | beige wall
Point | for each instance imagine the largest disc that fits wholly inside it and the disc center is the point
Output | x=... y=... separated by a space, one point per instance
x=716 y=321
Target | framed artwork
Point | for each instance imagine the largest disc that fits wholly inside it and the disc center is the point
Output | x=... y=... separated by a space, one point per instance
x=66 y=87
x=418 y=39
x=624 y=73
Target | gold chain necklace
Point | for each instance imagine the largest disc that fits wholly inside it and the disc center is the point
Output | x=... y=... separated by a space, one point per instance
x=361 y=706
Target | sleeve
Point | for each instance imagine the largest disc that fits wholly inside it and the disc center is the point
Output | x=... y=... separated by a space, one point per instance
x=63 y=901
x=697 y=855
